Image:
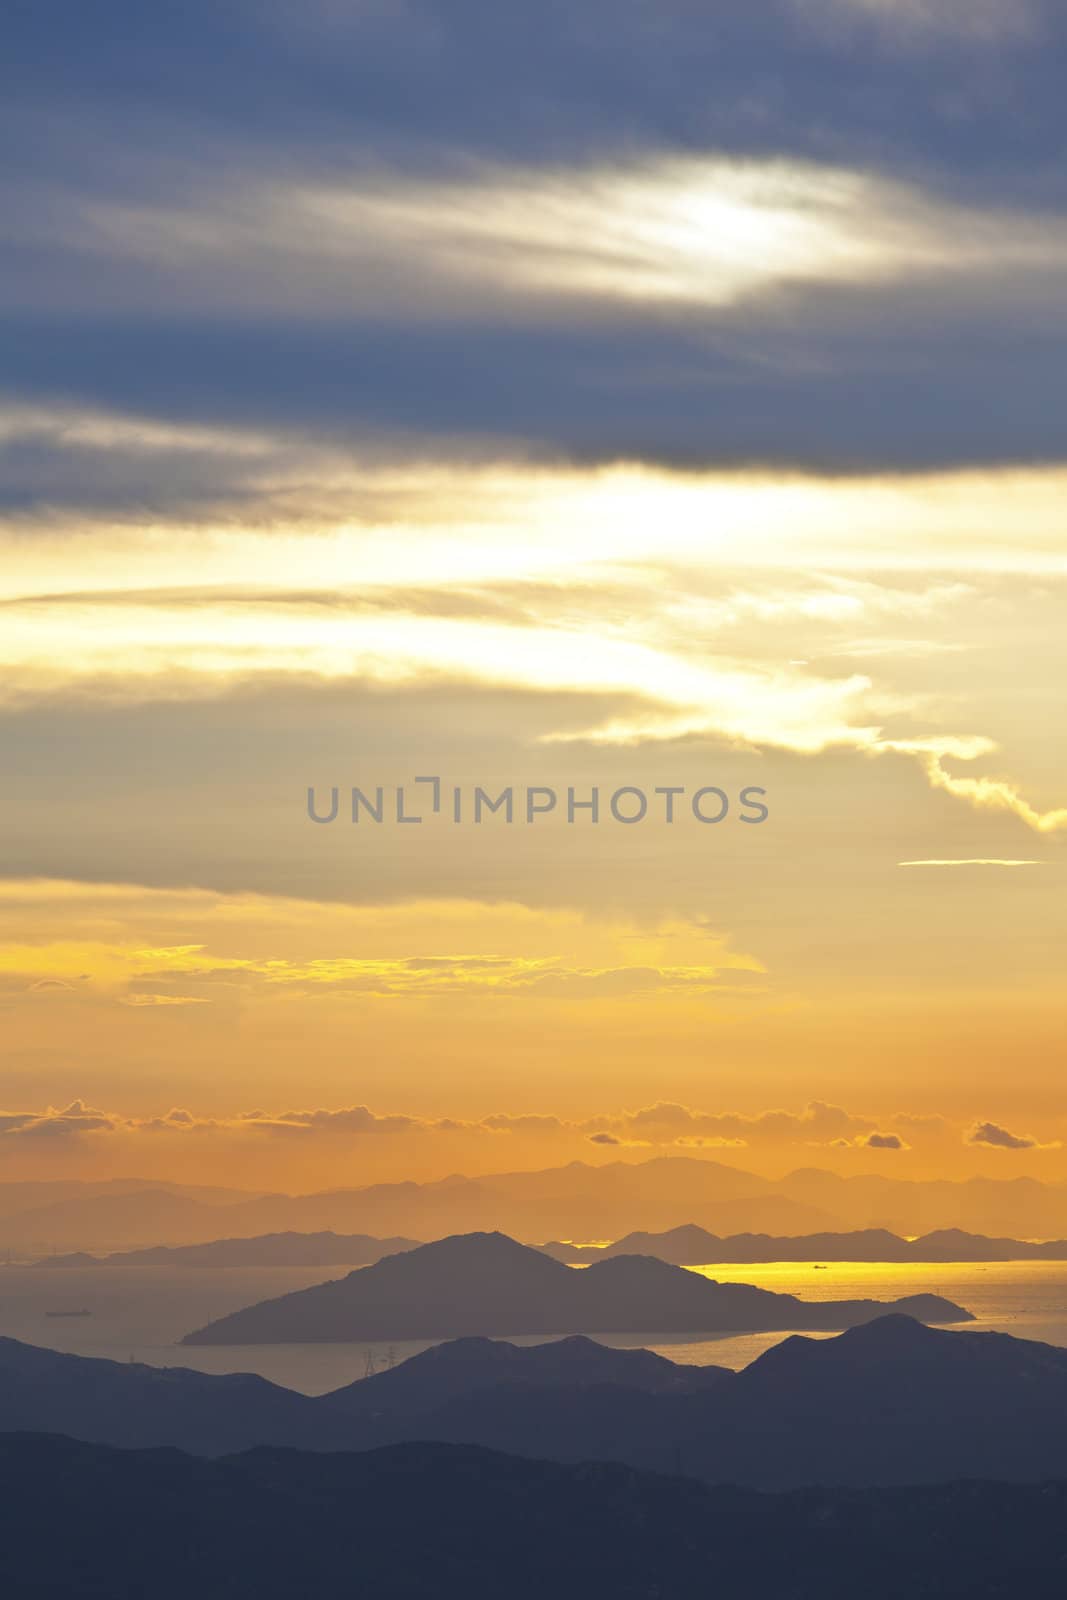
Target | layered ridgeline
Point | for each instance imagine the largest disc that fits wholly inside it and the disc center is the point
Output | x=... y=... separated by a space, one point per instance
x=693 y=1246
x=438 y=1522
x=134 y=1405
x=891 y=1402
x=685 y=1246
x=265 y=1250
x=486 y=1283
x=888 y=1402
x=578 y=1201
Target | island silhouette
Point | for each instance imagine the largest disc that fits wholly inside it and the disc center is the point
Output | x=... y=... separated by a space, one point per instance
x=487 y=1283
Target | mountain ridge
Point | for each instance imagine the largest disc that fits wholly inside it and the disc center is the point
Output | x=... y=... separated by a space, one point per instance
x=488 y=1283
x=887 y=1403
x=579 y=1201
x=441 y=1522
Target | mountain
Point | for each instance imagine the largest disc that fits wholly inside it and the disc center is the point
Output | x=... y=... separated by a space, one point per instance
x=685 y=1246
x=887 y=1403
x=114 y=1218
x=891 y=1402
x=464 y=1367
x=489 y=1284
x=27 y=1194
x=955 y=1244
x=110 y=1402
x=266 y=1250
x=577 y=1201
x=437 y=1522
x=1025 y=1208
x=693 y=1246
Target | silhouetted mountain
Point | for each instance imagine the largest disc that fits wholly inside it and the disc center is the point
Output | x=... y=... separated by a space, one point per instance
x=693 y=1246
x=135 y=1405
x=890 y=1402
x=426 y=1522
x=267 y=1250
x=488 y=1284
x=111 y=1402
x=21 y=1195
x=125 y=1217
x=592 y=1201
x=954 y=1244
x=464 y=1367
x=578 y=1201
x=1024 y=1208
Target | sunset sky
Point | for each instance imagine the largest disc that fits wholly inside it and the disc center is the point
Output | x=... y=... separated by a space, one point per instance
x=636 y=394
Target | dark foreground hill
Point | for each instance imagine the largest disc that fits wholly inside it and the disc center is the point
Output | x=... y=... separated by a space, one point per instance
x=138 y=1406
x=120 y=1403
x=485 y=1283
x=890 y=1402
x=465 y=1368
x=425 y=1522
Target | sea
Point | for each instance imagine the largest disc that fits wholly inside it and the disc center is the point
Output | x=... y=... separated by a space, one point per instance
x=141 y=1313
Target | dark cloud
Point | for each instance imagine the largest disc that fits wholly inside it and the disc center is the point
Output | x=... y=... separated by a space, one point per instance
x=992 y=1134
x=883 y=1141
x=860 y=401
x=123 y=114
x=316 y=78
x=64 y=1123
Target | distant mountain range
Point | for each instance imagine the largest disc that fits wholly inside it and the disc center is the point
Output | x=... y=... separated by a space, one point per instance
x=685 y=1246
x=890 y=1402
x=487 y=1283
x=439 y=1522
x=265 y=1250
x=137 y=1406
x=693 y=1246
x=578 y=1201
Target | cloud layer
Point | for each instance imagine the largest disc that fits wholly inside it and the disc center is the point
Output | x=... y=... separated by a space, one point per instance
x=636 y=394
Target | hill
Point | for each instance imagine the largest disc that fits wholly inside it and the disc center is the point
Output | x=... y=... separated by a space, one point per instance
x=887 y=1403
x=112 y=1402
x=426 y=1522
x=266 y=1250
x=133 y=1405
x=693 y=1246
x=461 y=1368
x=489 y=1284
x=891 y=1402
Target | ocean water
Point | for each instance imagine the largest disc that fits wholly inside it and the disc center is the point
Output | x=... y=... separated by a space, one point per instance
x=142 y=1312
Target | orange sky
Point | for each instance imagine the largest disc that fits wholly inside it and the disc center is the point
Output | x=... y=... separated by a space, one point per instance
x=195 y=978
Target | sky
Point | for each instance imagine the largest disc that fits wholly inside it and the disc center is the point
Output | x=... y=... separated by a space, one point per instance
x=631 y=397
